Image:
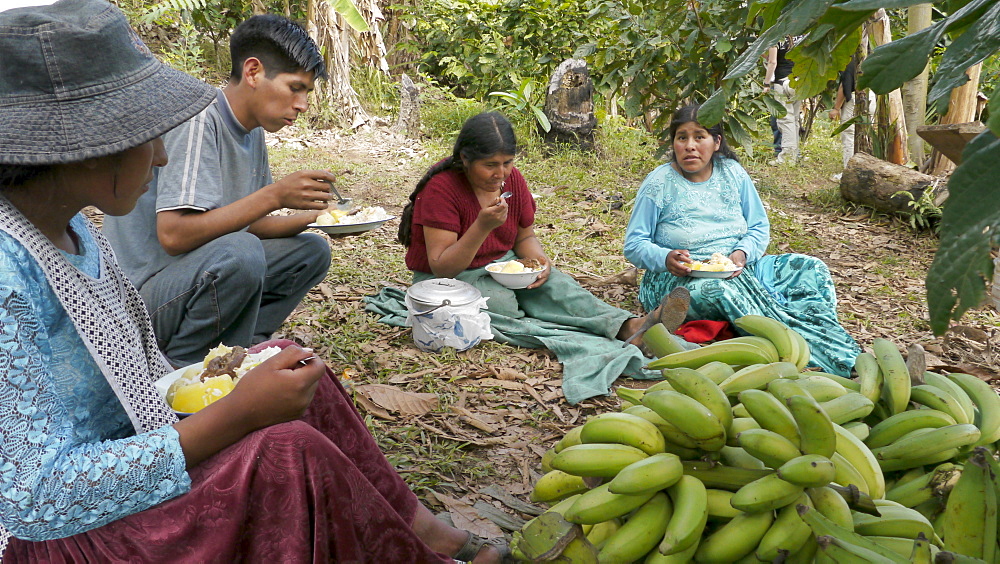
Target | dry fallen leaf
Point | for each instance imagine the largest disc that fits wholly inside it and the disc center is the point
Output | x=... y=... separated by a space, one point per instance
x=466 y=518
x=394 y=399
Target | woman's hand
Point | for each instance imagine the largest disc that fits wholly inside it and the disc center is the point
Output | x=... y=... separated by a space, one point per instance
x=493 y=215
x=739 y=258
x=543 y=276
x=280 y=388
x=677 y=260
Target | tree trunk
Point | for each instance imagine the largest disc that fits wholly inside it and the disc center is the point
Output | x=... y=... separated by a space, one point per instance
x=915 y=90
x=896 y=147
x=333 y=36
x=961 y=109
x=408 y=121
x=569 y=105
x=872 y=182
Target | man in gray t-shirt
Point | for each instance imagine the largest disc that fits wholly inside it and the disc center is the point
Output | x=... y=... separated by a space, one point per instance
x=210 y=262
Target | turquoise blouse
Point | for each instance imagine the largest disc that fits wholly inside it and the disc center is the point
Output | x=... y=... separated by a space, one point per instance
x=69 y=457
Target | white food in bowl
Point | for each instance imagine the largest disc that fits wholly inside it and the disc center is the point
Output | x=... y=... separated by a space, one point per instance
x=364 y=215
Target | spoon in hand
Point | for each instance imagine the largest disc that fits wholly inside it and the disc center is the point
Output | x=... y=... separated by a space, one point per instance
x=506 y=194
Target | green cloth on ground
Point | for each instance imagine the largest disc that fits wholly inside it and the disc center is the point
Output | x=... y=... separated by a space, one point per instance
x=560 y=315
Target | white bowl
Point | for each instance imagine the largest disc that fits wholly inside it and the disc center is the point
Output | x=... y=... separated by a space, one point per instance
x=514 y=281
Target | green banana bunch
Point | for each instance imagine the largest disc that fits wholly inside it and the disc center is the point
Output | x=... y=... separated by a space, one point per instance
x=970 y=522
x=767 y=446
x=770 y=413
x=808 y=470
x=572 y=437
x=715 y=475
x=690 y=500
x=786 y=387
x=848 y=407
x=648 y=475
x=848 y=383
x=779 y=334
x=766 y=346
x=926 y=486
x=896 y=386
x=859 y=429
x=599 y=533
x=923 y=551
x=765 y=494
x=660 y=342
x=894 y=521
x=809 y=416
x=926 y=442
x=699 y=387
x=736 y=539
x=831 y=505
x=625 y=429
x=716 y=371
x=719 y=506
x=757 y=376
x=556 y=485
x=869 y=376
x=737 y=456
x=987 y=405
x=598 y=460
x=835 y=549
x=954 y=390
x=821 y=388
x=599 y=505
x=889 y=430
x=630 y=395
x=641 y=532
x=787 y=535
x=939 y=399
x=690 y=416
x=905 y=547
x=732 y=353
x=670 y=432
x=823 y=527
x=858 y=454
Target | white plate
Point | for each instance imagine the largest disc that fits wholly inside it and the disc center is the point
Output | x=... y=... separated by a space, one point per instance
x=163 y=384
x=351 y=227
x=711 y=274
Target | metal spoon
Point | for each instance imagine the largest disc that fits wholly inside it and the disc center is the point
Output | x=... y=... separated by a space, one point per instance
x=506 y=194
x=343 y=203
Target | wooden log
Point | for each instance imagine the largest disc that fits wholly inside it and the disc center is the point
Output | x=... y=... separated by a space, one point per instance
x=569 y=105
x=408 y=121
x=874 y=183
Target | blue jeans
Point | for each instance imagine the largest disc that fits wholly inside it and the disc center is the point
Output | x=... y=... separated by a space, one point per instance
x=236 y=290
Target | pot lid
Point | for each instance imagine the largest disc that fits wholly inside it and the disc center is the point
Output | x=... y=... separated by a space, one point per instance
x=433 y=292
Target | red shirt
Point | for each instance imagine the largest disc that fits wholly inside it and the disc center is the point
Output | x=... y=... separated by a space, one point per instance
x=448 y=202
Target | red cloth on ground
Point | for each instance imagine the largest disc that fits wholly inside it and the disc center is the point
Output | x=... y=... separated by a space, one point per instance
x=448 y=202
x=704 y=330
x=314 y=490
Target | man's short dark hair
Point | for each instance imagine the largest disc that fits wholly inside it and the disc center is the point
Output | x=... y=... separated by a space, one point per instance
x=280 y=44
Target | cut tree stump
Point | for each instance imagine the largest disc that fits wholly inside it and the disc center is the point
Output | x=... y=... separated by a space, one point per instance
x=409 y=107
x=569 y=105
x=950 y=139
x=873 y=182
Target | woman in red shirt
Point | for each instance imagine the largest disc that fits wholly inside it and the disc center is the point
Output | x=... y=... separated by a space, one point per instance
x=456 y=223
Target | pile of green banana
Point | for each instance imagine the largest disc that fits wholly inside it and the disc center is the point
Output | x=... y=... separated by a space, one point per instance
x=742 y=455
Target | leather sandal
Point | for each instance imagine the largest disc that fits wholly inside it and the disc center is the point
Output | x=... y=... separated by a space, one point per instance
x=671 y=312
x=474 y=543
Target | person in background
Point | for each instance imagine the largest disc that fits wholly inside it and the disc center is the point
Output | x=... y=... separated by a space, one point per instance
x=777 y=69
x=211 y=263
x=456 y=224
x=703 y=202
x=843 y=110
x=95 y=466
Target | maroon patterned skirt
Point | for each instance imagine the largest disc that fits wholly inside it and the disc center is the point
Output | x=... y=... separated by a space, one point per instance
x=314 y=490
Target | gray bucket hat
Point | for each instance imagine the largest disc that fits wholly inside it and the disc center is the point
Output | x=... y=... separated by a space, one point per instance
x=76 y=82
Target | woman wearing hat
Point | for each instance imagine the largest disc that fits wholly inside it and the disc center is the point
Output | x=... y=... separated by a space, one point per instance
x=93 y=465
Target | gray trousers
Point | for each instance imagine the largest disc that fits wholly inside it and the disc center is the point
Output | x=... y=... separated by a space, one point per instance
x=236 y=290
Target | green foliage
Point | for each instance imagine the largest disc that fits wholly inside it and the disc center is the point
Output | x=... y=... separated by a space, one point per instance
x=971 y=218
x=442 y=113
x=470 y=45
x=924 y=213
x=524 y=98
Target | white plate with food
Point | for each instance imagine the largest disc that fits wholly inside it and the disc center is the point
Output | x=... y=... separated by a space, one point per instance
x=712 y=273
x=716 y=266
x=340 y=222
x=191 y=388
x=515 y=274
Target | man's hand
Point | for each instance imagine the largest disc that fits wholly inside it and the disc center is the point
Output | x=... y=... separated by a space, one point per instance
x=835 y=114
x=303 y=190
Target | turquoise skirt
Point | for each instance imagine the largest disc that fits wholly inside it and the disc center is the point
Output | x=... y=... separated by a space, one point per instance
x=794 y=289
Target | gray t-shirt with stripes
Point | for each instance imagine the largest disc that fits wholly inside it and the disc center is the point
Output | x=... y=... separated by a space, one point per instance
x=213 y=161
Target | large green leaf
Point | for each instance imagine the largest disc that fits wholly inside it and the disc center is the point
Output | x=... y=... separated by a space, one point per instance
x=994 y=108
x=892 y=64
x=710 y=112
x=795 y=19
x=350 y=13
x=979 y=41
x=821 y=61
x=956 y=280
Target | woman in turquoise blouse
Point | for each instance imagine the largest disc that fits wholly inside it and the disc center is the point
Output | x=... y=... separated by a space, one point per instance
x=704 y=202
